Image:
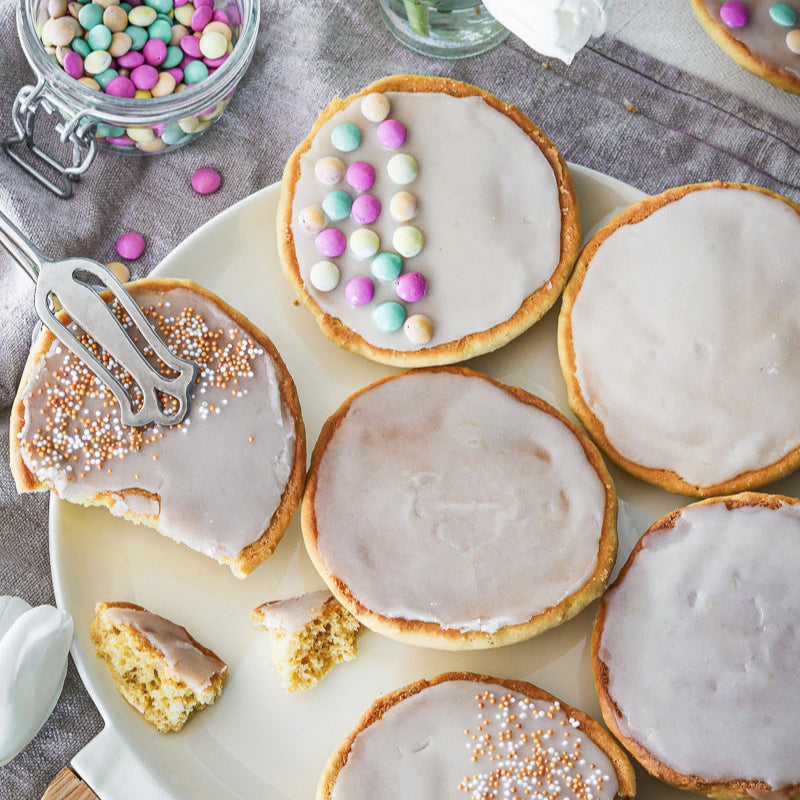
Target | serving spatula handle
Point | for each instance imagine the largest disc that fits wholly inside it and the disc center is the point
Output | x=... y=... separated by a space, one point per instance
x=68 y=786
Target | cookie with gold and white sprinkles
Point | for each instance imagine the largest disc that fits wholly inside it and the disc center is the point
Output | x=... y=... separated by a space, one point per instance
x=463 y=736
x=225 y=482
x=423 y=221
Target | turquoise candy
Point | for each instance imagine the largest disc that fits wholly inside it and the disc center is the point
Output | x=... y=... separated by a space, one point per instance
x=195 y=72
x=162 y=6
x=80 y=47
x=99 y=37
x=389 y=316
x=173 y=58
x=105 y=77
x=337 y=205
x=126 y=7
x=90 y=15
x=173 y=134
x=138 y=36
x=109 y=130
x=160 y=30
x=346 y=137
x=387 y=266
x=783 y=15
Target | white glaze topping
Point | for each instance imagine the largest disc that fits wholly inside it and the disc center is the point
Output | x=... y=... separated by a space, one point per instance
x=488 y=209
x=685 y=332
x=187 y=661
x=219 y=475
x=293 y=613
x=764 y=38
x=702 y=643
x=443 y=498
x=423 y=747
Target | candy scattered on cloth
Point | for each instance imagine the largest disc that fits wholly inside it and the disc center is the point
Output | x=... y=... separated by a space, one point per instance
x=130 y=245
x=34 y=644
x=206 y=180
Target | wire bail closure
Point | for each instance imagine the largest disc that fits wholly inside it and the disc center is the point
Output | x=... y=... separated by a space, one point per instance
x=78 y=130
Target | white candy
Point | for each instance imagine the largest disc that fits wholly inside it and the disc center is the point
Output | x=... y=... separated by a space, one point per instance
x=213 y=44
x=364 y=243
x=329 y=170
x=403 y=206
x=34 y=644
x=375 y=107
x=312 y=219
x=324 y=276
x=402 y=168
x=418 y=329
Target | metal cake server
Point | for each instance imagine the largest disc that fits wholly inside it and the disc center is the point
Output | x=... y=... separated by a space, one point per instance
x=81 y=300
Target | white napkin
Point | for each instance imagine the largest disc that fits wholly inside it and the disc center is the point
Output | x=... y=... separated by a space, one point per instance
x=34 y=644
x=556 y=28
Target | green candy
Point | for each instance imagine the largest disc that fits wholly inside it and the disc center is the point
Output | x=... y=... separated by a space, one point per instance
x=389 y=316
x=105 y=77
x=387 y=266
x=783 y=15
x=109 y=130
x=173 y=58
x=80 y=47
x=138 y=36
x=160 y=30
x=173 y=134
x=337 y=205
x=89 y=16
x=195 y=72
x=162 y=6
x=126 y=7
x=346 y=137
x=99 y=37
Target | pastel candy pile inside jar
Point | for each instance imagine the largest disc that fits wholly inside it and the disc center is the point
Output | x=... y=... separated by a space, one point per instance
x=142 y=49
x=736 y=14
x=345 y=191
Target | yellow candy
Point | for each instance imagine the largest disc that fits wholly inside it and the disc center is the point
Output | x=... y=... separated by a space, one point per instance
x=182 y=13
x=312 y=219
x=364 y=243
x=140 y=94
x=121 y=272
x=403 y=206
x=418 y=329
x=213 y=44
x=408 y=240
x=143 y=135
x=375 y=107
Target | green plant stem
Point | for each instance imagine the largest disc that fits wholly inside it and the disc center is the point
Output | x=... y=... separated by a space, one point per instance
x=417 y=16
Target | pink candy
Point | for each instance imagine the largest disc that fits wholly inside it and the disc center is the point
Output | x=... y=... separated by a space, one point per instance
x=121 y=87
x=131 y=59
x=734 y=14
x=391 y=133
x=154 y=51
x=360 y=175
x=191 y=45
x=144 y=76
x=366 y=209
x=213 y=63
x=206 y=180
x=221 y=16
x=411 y=286
x=201 y=17
x=331 y=242
x=359 y=291
x=73 y=64
x=130 y=245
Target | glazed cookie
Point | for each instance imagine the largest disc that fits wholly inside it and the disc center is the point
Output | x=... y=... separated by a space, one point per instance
x=463 y=735
x=760 y=35
x=423 y=221
x=224 y=482
x=696 y=646
x=451 y=511
x=157 y=666
x=677 y=338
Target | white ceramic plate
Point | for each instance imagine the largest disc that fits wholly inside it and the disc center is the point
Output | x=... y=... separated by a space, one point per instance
x=257 y=742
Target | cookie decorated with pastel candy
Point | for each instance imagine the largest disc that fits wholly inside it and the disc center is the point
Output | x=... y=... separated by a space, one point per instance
x=696 y=646
x=450 y=511
x=463 y=735
x=677 y=338
x=761 y=35
x=424 y=221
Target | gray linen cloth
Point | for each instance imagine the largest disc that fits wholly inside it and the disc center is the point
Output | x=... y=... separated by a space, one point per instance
x=615 y=109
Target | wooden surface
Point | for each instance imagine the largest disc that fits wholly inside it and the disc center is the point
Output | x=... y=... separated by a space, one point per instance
x=68 y=786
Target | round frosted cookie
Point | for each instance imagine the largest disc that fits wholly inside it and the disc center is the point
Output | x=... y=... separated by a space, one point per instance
x=451 y=511
x=696 y=646
x=760 y=35
x=423 y=221
x=465 y=735
x=225 y=482
x=677 y=338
